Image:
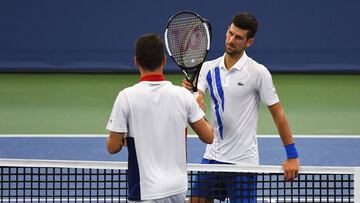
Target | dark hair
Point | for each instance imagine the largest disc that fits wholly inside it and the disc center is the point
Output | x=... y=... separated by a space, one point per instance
x=246 y=21
x=149 y=51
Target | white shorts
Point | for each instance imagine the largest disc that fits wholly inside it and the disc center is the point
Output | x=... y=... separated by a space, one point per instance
x=179 y=198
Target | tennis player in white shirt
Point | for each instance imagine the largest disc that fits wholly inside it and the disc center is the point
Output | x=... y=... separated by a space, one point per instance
x=237 y=84
x=152 y=116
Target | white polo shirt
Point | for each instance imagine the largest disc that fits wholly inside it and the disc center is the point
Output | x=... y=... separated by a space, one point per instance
x=154 y=113
x=235 y=97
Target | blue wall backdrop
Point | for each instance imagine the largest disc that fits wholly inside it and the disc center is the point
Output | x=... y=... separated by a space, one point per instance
x=98 y=35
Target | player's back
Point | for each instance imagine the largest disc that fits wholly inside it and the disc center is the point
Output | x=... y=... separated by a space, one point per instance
x=158 y=115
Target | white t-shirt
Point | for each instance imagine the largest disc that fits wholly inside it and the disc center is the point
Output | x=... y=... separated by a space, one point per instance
x=155 y=114
x=235 y=95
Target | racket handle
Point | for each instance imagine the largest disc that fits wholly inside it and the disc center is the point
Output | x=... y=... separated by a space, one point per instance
x=194 y=89
x=186 y=76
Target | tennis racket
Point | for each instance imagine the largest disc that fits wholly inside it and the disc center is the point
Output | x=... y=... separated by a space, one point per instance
x=187 y=41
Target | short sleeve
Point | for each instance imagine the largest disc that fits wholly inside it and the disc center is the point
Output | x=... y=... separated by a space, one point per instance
x=202 y=84
x=118 y=118
x=266 y=88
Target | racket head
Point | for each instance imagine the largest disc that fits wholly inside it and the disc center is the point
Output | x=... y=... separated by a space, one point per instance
x=209 y=27
x=187 y=39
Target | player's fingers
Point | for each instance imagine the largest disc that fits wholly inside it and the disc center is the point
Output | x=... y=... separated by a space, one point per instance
x=291 y=169
x=287 y=172
x=293 y=175
x=286 y=175
x=290 y=174
x=187 y=84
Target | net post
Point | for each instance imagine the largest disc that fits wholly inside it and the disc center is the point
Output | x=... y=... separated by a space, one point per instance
x=357 y=184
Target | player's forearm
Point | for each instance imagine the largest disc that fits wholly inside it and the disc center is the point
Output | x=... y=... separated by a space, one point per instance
x=284 y=131
x=291 y=166
x=204 y=130
x=281 y=123
x=207 y=133
x=200 y=100
x=210 y=134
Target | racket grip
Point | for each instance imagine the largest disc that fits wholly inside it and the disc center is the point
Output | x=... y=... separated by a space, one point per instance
x=187 y=76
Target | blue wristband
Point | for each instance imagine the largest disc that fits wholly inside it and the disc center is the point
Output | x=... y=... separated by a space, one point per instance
x=291 y=151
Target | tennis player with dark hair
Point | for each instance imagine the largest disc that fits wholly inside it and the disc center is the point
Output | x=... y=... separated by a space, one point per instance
x=236 y=84
x=152 y=117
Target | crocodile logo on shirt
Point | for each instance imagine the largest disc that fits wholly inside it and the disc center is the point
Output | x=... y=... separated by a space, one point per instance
x=240 y=83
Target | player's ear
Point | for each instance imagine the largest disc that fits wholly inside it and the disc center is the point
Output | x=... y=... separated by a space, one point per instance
x=249 y=42
x=136 y=63
x=163 y=62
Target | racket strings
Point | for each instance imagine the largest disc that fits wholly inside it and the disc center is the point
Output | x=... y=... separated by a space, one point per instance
x=187 y=40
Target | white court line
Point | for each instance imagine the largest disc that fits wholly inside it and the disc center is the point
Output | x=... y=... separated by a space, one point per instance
x=189 y=136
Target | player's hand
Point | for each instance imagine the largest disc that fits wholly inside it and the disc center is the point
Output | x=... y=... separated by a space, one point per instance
x=291 y=169
x=187 y=85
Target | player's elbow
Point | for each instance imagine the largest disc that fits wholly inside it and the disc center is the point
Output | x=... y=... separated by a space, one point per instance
x=113 y=148
x=208 y=141
x=115 y=142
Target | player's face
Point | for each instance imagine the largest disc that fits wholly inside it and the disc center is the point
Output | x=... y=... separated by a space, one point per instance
x=236 y=40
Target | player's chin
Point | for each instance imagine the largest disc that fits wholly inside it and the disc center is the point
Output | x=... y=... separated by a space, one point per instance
x=230 y=49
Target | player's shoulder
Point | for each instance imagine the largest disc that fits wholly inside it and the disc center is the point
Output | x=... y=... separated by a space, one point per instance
x=180 y=95
x=212 y=63
x=182 y=91
x=257 y=67
x=129 y=90
x=124 y=92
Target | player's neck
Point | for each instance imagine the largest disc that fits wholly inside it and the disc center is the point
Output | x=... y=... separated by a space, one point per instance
x=156 y=75
x=230 y=60
x=144 y=72
x=152 y=77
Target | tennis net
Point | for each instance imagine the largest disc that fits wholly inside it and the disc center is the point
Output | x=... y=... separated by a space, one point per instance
x=97 y=181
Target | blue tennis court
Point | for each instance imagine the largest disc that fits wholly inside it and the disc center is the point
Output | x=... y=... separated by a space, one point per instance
x=314 y=150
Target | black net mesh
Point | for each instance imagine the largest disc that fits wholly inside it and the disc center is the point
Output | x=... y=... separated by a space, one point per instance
x=46 y=183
